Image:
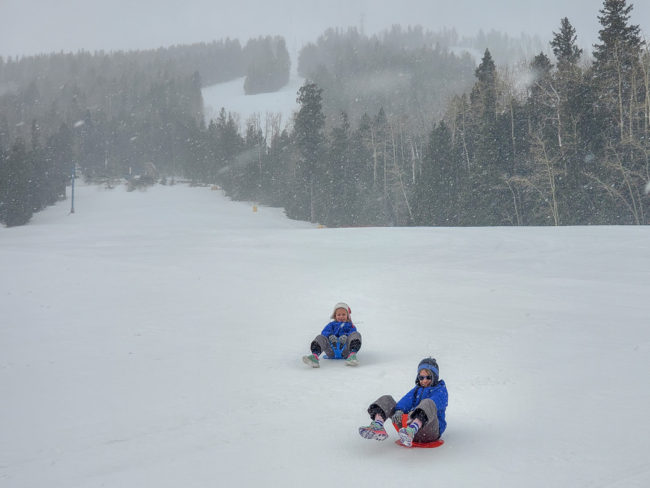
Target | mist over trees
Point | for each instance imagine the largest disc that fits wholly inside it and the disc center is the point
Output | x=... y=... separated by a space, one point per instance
x=408 y=72
x=268 y=65
x=397 y=129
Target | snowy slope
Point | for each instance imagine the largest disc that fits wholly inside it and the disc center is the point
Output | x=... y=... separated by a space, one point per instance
x=232 y=98
x=154 y=339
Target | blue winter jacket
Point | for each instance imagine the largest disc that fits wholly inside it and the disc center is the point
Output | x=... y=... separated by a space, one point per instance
x=338 y=329
x=437 y=393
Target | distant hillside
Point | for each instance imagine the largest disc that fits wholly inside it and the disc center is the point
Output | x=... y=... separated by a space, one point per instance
x=404 y=71
x=268 y=65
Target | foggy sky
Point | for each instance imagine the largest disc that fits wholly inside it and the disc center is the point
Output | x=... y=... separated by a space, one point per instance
x=42 y=26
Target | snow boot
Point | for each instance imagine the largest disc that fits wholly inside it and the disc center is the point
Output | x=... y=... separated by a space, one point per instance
x=352 y=360
x=406 y=435
x=311 y=360
x=373 y=431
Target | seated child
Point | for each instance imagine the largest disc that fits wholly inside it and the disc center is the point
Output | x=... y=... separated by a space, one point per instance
x=340 y=334
x=425 y=405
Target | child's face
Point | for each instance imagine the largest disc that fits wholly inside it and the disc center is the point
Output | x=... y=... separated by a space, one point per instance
x=424 y=381
x=341 y=315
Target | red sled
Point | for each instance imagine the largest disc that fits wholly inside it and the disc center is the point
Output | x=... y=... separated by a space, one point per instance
x=426 y=445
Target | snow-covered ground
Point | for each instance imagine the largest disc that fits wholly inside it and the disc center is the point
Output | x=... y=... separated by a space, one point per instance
x=232 y=98
x=154 y=339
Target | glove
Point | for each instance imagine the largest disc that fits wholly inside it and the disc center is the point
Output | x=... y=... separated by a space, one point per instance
x=397 y=418
x=343 y=339
x=333 y=339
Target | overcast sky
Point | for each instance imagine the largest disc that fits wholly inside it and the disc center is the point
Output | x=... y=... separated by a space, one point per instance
x=42 y=26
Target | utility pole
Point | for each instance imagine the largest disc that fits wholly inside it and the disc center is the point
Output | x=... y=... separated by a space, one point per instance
x=72 y=193
x=77 y=124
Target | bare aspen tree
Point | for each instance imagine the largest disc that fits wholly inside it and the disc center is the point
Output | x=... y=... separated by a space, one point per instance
x=398 y=171
x=413 y=160
x=645 y=70
x=374 y=156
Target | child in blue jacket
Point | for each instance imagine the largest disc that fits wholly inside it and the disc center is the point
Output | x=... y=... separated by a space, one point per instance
x=341 y=334
x=425 y=405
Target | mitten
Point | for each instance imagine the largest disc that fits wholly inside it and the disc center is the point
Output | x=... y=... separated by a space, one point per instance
x=332 y=339
x=343 y=339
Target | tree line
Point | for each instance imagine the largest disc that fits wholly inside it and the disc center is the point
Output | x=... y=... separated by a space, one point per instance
x=571 y=149
x=568 y=146
x=111 y=115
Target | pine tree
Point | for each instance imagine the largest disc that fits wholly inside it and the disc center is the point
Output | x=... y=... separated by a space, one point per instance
x=485 y=205
x=309 y=123
x=622 y=145
x=341 y=189
x=543 y=100
x=619 y=40
x=564 y=46
x=437 y=187
x=60 y=160
x=616 y=63
x=4 y=181
x=254 y=156
x=278 y=162
x=229 y=145
x=362 y=164
x=17 y=199
x=575 y=124
x=484 y=92
x=40 y=174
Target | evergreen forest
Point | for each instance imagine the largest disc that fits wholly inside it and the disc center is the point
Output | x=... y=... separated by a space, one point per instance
x=400 y=128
